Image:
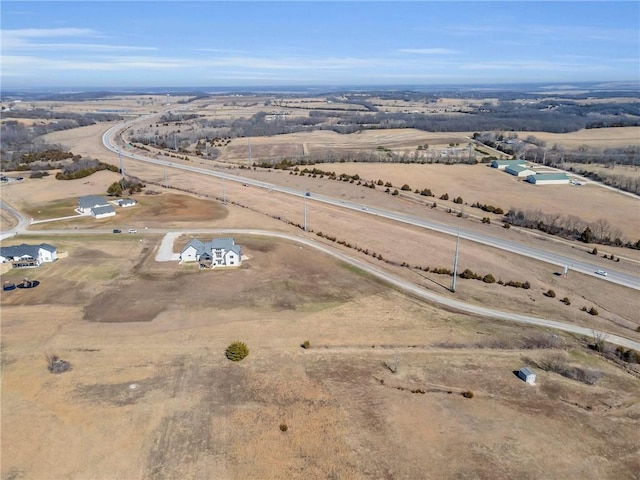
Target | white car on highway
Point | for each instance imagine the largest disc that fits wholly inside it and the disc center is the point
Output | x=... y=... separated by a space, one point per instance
x=601 y=272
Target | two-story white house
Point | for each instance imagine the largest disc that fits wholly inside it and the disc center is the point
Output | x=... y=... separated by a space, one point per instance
x=25 y=256
x=219 y=252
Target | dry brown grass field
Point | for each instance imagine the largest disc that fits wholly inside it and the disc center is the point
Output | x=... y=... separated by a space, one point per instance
x=327 y=142
x=600 y=168
x=125 y=104
x=152 y=396
x=618 y=305
x=593 y=137
x=481 y=183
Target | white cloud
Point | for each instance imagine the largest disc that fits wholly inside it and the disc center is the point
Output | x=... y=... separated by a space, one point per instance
x=539 y=65
x=49 y=32
x=23 y=39
x=428 y=51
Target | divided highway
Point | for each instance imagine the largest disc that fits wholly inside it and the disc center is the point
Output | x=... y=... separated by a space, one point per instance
x=627 y=280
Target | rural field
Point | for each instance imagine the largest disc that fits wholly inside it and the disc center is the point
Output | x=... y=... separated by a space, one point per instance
x=390 y=386
x=151 y=395
x=593 y=137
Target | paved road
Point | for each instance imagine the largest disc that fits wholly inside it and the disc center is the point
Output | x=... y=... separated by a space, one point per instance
x=165 y=253
x=23 y=221
x=620 y=278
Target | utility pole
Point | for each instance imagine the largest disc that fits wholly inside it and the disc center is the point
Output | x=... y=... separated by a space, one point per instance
x=166 y=180
x=175 y=144
x=121 y=161
x=455 y=263
x=250 y=151
x=304 y=203
x=224 y=200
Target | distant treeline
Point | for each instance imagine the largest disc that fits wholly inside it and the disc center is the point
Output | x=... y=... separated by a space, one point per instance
x=18 y=139
x=512 y=117
x=570 y=226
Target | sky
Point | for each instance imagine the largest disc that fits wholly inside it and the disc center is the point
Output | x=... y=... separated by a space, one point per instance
x=334 y=43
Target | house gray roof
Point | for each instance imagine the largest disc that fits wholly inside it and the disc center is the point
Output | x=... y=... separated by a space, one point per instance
x=227 y=244
x=102 y=210
x=526 y=371
x=50 y=248
x=24 y=250
x=89 y=201
x=126 y=201
x=197 y=244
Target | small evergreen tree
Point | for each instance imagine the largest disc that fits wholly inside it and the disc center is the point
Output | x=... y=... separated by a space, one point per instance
x=237 y=351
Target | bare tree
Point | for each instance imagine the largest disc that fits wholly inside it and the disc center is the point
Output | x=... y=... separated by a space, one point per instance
x=599 y=339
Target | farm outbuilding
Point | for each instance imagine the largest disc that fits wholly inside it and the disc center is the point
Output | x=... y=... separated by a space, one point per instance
x=527 y=375
x=502 y=164
x=519 y=170
x=125 y=202
x=548 y=179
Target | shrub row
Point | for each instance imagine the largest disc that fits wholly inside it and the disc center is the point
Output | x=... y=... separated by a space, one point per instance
x=348 y=245
x=488 y=208
x=86 y=172
x=558 y=363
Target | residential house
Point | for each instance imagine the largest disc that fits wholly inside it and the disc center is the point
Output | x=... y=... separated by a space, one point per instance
x=219 y=252
x=25 y=256
x=95 y=206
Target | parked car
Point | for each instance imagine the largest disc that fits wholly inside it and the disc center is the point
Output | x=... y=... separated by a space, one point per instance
x=601 y=272
x=115 y=230
x=133 y=230
x=307 y=194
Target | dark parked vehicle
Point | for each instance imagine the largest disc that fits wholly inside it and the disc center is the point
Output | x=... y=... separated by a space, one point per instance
x=117 y=231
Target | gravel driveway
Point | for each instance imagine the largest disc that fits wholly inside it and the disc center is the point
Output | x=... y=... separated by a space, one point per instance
x=165 y=251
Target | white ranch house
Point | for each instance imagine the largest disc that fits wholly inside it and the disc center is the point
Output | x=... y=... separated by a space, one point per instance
x=219 y=252
x=95 y=206
x=25 y=256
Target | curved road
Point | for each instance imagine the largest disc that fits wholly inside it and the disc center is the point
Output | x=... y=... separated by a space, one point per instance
x=627 y=280
x=397 y=282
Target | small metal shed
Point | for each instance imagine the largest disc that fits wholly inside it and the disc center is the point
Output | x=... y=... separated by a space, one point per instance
x=527 y=375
